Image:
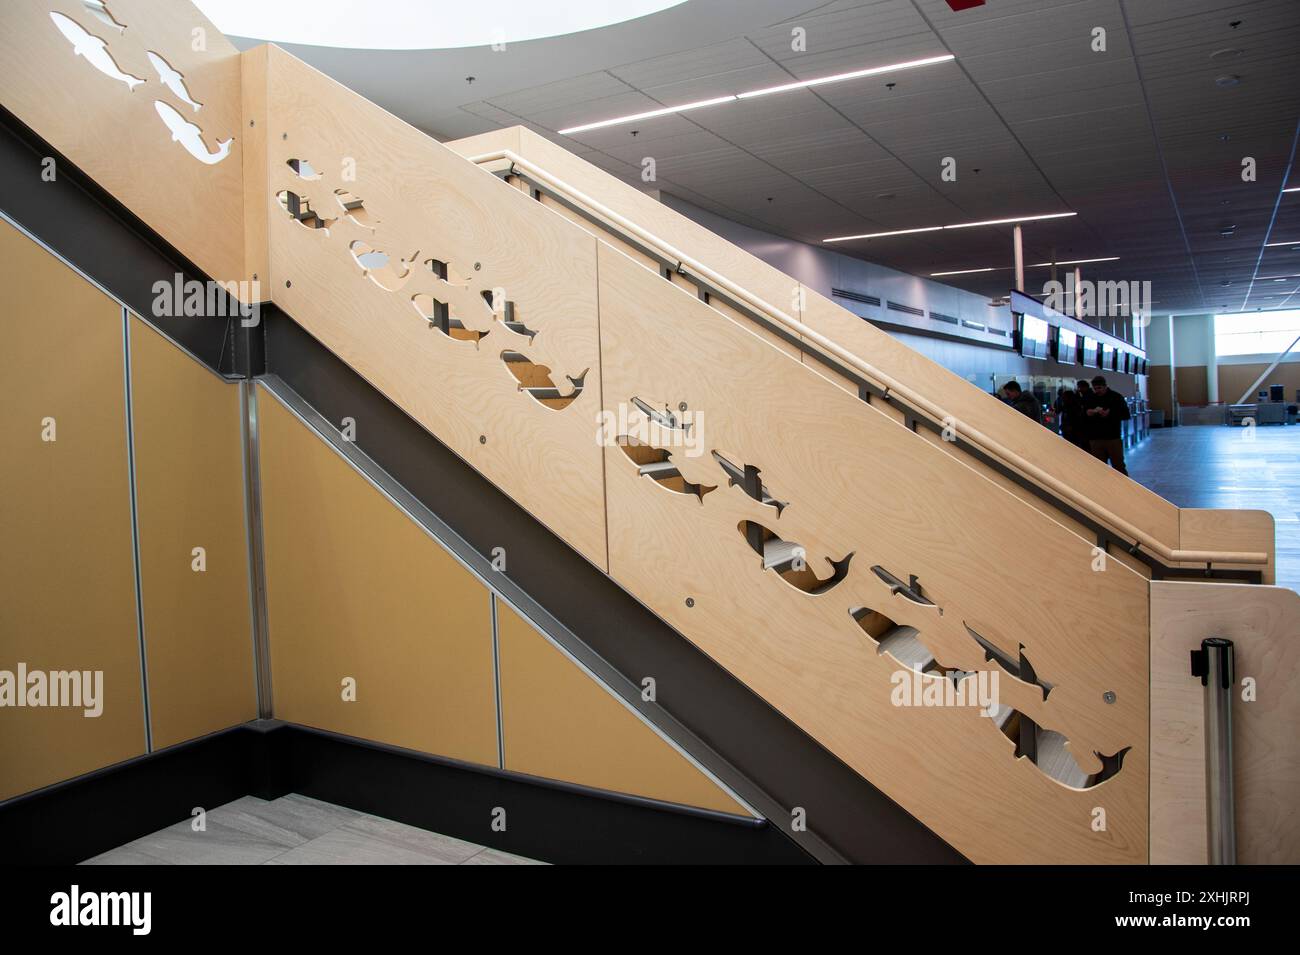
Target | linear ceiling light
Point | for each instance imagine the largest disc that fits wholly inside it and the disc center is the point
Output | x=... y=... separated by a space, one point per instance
x=649 y=114
x=802 y=84
x=957 y=225
x=1292 y=189
x=841 y=77
x=1269 y=245
x=1035 y=265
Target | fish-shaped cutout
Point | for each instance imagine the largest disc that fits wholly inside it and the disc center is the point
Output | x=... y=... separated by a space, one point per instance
x=93 y=49
x=190 y=136
x=172 y=80
x=97 y=9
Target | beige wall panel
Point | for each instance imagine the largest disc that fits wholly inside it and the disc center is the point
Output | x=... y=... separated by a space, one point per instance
x=356 y=589
x=1160 y=390
x=891 y=498
x=116 y=135
x=421 y=202
x=1192 y=389
x=67 y=575
x=189 y=473
x=559 y=723
x=1234 y=379
x=1264 y=625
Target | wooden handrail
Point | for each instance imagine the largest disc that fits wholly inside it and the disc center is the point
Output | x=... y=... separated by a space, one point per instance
x=885 y=381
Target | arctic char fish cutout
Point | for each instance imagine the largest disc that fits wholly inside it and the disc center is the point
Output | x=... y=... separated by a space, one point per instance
x=190 y=136
x=93 y=49
x=100 y=12
x=172 y=80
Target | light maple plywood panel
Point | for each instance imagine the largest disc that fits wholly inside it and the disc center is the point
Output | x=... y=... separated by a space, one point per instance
x=67 y=577
x=189 y=470
x=858 y=482
x=1236 y=530
x=421 y=203
x=356 y=589
x=964 y=401
x=115 y=134
x=1264 y=625
x=558 y=722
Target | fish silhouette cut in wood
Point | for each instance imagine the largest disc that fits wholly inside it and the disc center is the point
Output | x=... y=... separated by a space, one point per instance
x=173 y=80
x=190 y=136
x=97 y=9
x=93 y=49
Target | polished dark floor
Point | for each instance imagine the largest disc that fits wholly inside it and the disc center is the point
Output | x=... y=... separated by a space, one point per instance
x=1217 y=466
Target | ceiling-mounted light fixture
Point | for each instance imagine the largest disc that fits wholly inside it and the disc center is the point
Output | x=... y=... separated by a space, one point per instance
x=1292 y=189
x=956 y=225
x=731 y=97
x=1035 y=265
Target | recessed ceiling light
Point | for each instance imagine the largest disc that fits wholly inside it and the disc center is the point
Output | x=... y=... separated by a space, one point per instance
x=965 y=272
x=1227 y=80
x=1227 y=53
x=1269 y=245
x=1292 y=189
x=956 y=225
x=801 y=84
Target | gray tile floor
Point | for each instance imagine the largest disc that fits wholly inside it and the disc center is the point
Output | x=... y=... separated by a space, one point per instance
x=296 y=830
x=1217 y=466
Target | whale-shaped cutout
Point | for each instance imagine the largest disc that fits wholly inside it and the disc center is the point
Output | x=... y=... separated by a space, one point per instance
x=354 y=208
x=172 y=79
x=190 y=136
x=94 y=50
x=302 y=169
x=438 y=315
x=656 y=464
x=1049 y=751
x=299 y=209
x=99 y=11
x=790 y=561
x=1021 y=669
x=736 y=478
x=665 y=419
x=902 y=643
x=536 y=380
x=379 y=266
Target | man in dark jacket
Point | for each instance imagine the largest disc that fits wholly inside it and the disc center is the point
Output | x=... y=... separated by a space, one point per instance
x=1069 y=408
x=1105 y=411
x=1023 y=401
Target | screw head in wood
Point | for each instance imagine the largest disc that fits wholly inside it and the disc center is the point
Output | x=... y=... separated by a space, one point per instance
x=690 y=601
x=1109 y=696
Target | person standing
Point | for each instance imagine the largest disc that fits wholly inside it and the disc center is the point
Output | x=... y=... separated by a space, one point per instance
x=1022 y=401
x=1069 y=409
x=1105 y=412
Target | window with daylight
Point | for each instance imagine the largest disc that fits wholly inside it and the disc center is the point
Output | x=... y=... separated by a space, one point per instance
x=1255 y=333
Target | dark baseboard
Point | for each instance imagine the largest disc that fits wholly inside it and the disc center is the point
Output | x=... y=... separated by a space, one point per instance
x=545 y=820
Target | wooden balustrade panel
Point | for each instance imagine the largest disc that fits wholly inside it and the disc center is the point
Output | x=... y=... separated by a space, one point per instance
x=119 y=101
x=371 y=223
x=851 y=480
x=967 y=403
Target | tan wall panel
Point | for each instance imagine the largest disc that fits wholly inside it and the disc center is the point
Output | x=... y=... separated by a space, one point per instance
x=1234 y=379
x=189 y=473
x=1192 y=389
x=67 y=577
x=560 y=723
x=115 y=134
x=1160 y=390
x=356 y=589
x=1262 y=623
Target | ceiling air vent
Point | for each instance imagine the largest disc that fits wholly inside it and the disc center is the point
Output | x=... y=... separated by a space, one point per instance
x=940 y=317
x=918 y=312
